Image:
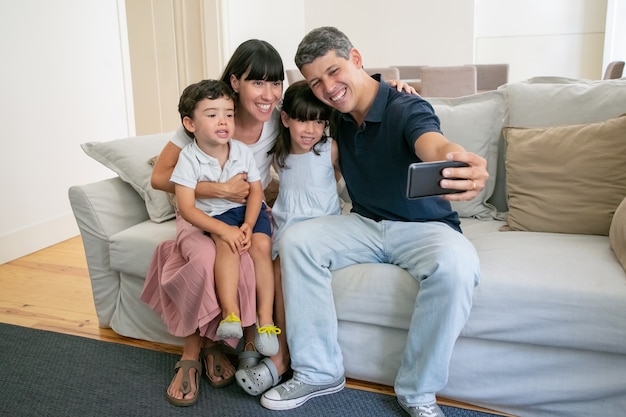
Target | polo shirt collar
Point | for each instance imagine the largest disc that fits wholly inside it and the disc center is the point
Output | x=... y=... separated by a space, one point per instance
x=376 y=112
x=206 y=159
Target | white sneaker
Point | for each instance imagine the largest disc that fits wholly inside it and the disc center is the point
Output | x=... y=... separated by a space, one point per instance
x=430 y=410
x=266 y=341
x=293 y=393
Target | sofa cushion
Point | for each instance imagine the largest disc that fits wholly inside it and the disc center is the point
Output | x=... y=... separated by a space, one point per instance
x=548 y=289
x=567 y=179
x=475 y=122
x=557 y=101
x=129 y=158
x=617 y=233
x=131 y=249
x=551 y=289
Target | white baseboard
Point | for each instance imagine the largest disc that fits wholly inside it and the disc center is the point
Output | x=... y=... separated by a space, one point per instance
x=31 y=239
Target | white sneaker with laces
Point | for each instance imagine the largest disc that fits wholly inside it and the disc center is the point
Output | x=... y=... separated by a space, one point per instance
x=430 y=410
x=294 y=393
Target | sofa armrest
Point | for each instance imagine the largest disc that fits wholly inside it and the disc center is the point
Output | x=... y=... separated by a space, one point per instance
x=102 y=209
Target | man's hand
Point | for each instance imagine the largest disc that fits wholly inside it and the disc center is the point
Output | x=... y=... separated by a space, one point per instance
x=473 y=178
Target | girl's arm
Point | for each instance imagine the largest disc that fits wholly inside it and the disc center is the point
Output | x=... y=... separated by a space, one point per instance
x=334 y=158
x=236 y=189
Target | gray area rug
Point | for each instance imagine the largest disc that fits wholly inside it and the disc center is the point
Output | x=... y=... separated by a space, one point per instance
x=44 y=373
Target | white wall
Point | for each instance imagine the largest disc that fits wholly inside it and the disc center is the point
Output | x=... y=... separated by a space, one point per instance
x=615 y=41
x=279 y=22
x=538 y=37
x=400 y=32
x=62 y=83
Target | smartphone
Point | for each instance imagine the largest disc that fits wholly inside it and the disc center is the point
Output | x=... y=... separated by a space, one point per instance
x=424 y=178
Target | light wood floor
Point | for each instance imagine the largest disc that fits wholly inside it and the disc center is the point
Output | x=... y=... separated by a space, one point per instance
x=50 y=290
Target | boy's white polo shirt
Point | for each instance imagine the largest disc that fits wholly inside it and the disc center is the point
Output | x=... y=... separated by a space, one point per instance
x=194 y=166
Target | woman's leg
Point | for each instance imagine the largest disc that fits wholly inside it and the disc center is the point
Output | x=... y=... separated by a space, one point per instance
x=281 y=359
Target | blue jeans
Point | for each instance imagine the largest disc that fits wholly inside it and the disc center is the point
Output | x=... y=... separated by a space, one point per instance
x=443 y=261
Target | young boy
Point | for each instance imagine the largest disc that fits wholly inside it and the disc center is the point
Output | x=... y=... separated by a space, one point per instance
x=207 y=112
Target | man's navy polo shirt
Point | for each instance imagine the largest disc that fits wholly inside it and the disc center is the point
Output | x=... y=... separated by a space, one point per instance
x=375 y=157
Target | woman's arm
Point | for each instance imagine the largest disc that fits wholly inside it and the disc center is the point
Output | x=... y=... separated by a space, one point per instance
x=236 y=189
x=163 y=168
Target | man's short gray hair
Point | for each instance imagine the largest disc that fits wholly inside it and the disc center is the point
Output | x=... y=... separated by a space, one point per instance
x=319 y=42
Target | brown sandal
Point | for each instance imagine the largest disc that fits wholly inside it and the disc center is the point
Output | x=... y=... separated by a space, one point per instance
x=219 y=359
x=185 y=384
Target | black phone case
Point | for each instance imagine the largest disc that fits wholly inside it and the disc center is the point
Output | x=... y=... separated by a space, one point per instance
x=423 y=179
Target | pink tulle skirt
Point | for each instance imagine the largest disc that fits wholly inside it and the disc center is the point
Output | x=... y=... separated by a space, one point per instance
x=180 y=284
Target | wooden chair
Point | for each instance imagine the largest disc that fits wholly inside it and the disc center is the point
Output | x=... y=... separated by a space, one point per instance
x=387 y=73
x=293 y=75
x=410 y=72
x=448 y=81
x=491 y=76
x=614 y=70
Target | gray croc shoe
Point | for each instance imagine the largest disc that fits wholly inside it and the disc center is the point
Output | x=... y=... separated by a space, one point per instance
x=259 y=378
x=248 y=358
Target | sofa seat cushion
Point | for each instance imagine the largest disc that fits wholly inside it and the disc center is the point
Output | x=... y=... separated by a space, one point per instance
x=536 y=288
x=553 y=289
x=131 y=249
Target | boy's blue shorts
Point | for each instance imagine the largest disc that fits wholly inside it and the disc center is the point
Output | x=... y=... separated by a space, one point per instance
x=236 y=216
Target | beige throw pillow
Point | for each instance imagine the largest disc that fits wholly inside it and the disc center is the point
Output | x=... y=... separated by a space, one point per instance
x=617 y=233
x=566 y=179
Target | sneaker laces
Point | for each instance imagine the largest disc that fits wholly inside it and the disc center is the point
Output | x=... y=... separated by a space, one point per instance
x=292 y=384
x=427 y=411
x=231 y=318
x=269 y=329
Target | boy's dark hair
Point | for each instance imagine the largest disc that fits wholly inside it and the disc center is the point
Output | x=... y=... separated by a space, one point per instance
x=258 y=57
x=301 y=104
x=194 y=93
x=319 y=42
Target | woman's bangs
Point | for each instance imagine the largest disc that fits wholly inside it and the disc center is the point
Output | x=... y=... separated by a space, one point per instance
x=265 y=66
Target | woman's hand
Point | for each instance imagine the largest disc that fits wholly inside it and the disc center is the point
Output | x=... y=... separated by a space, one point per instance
x=235 y=189
x=402 y=86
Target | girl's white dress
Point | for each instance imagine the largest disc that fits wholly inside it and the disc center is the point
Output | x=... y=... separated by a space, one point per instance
x=307 y=189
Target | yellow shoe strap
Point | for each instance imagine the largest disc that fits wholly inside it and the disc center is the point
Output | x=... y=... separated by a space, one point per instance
x=269 y=328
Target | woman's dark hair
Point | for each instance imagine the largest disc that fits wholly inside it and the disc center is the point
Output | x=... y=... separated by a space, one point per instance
x=260 y=59
x=194 y=93
x=301 y=104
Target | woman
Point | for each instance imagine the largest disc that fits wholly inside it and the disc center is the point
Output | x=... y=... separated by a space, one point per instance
x=180 y=283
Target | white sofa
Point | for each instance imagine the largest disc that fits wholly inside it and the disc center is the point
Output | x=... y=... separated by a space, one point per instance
x=547 y=332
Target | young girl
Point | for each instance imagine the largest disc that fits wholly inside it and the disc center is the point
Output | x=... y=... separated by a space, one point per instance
x=307 y=164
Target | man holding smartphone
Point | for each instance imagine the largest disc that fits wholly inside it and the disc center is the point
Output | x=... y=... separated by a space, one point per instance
x=380 y=132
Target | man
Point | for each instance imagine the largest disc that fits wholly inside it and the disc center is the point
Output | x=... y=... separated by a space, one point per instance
x=379 y=132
